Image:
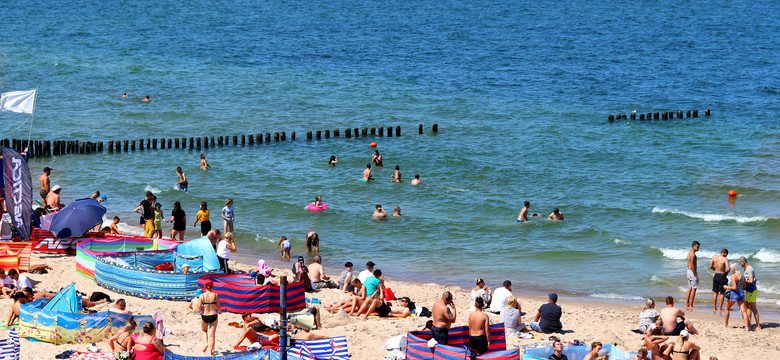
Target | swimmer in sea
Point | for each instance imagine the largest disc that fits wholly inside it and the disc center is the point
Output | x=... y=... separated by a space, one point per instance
x=524 y=213
x=333 y=160
x=397 y=176
x=397 y=211
x=285 y=247
x=416 y=180
x=146 y=99
x=380 y=213
x=124 y=94
x=367 y=176
x=182 y=183
x=318 y=202
x=376 y=158
x=203 y=163
x=556 y=215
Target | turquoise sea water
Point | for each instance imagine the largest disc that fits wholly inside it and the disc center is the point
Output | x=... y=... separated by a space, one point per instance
x=521 y=92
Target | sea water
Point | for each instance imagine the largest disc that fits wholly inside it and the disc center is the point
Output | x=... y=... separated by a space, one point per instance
x=520 y=90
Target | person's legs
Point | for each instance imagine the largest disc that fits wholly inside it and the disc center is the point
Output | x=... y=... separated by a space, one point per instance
x=205 y=327
x=231 y=226
x=728 y=312
x=745 y=316
x=212 y=334
x=181 y=235
x=249 y=334
x=224 y=226
x=173 y=234
x=534 y=325
x=722 y=298
x=689 y=326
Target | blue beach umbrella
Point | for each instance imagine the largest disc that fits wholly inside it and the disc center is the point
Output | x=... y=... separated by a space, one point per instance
x=76 y=218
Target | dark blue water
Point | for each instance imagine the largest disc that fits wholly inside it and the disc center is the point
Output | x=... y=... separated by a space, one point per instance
x=521 y=92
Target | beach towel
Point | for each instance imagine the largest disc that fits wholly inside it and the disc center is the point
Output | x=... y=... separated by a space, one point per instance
x=92 y=356
x=3 y=326
x=9 y=347
x=376 y=316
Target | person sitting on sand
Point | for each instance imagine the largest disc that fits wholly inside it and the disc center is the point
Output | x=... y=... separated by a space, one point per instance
x=558 y=351
x=682 y=348
x=379 y=213
x=53 y=198
x=416 y=180
x=480 y=290
x=253 y=331
x=317 y=275
x=375 y=294
x=367 y=176
x=500 y=296
x=397 y=211
x=669 y=316
x=20 y=280
x=397 y=175
x=122 y=341
x=333 y=160
x=203 y=163
x=548 y=318
x=284 y=246
x=648 y=316
x=511 y=316
x=112 y=228
x=444 y=314
x=367 y=272
x=147 y=346
x=479 y=329
x=345 y=278
x=556 y=215
x=6 y=284
x=120 y=307
x=654 y=340
x=641 y=355
x=19 y=299
x=595 y=347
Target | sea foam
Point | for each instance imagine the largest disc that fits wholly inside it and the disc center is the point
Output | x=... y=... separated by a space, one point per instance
x=712 y=217
x=617 y=297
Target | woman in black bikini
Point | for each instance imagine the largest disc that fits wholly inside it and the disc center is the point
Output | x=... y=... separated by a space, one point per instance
x=122 y=341
x=211 y=308
x=683 y=349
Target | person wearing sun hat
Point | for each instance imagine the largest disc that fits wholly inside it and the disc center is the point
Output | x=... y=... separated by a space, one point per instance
x=53 y=198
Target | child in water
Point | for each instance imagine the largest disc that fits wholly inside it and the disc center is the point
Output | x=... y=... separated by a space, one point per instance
x=333 y=160
x=204 y=165
x=397 y=175
x=318 y=202
x=380 y=213
x=285 y=246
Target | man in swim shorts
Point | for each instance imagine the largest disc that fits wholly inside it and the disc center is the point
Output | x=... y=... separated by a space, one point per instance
x=751 y=291
x=523 y=217
x=367 y=176
x=693 y=275
x=719 y=264
x=479 y=329
x=444 y=314
x=669 y=316
x=317 y=275
x=45 y=182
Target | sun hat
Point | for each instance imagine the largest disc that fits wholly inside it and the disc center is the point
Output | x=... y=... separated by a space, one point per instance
x=55 y=188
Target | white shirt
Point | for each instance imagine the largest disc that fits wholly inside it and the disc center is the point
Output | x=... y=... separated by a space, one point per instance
x=7 y=281
x=499 y=299
x=363 y=275
x=22 y=283
x=222 y=250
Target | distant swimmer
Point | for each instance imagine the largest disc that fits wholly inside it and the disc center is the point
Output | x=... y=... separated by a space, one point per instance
x=146 y=99
x=367 y=176
x=397 y=211
x=556 y=215
x=182 y=183
x=124 y=94
x=397 y=175
x=524 y=213
x=380 y=213
x=416 y=180
x=376 y=158
x=333 y=160
x=203 y=163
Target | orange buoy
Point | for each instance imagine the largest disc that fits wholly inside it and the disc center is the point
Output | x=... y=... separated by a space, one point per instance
x=373 y=144
x=732 y=193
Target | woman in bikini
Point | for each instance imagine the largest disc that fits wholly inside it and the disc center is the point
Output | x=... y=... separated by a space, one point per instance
x=122 y=342
x=683 y=349
x=211 y=309
x=147 y=346
x=737 y=287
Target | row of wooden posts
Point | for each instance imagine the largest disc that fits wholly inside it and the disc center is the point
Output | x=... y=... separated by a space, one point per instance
x=61 y=147
x=666 y=115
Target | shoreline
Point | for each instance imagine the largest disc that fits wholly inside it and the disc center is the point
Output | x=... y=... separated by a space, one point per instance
x=584 y=320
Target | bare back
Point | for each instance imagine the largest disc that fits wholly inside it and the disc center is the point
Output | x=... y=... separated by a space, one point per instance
x=669 y=317
x=44 y=181
x=441 y=315
x=692 y=259
x=316 y=272
x=719 y=264
x=478 y=321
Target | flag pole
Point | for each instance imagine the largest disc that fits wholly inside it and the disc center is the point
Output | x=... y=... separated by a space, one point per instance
x=32 y=116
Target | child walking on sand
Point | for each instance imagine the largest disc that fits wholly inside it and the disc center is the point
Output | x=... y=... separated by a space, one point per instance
x=285 y=246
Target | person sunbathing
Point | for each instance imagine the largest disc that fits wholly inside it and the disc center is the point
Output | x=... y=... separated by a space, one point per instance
x=353 y=302
x=122 y=341
x=253 y=331
x=301 y=333
x=406 y=308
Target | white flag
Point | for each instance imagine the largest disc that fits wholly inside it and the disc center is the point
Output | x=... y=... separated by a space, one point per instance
x=18 y=101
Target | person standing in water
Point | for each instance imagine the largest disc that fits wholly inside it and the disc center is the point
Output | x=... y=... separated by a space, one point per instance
x=333 y=160
x=416 y=180
x=380 y=213
x=227 y=215
x=376 y=158
x=397 y=211
x=312 y=242
x=397 y=175
x=146 y=99
x=367 y=176
x=203 y=217
x=284 y=247
x=203 y=163
x=556 y=215
x=524 y=213
x=182 y=183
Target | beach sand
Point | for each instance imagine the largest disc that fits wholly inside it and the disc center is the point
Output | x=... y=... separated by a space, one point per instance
x=584 y=321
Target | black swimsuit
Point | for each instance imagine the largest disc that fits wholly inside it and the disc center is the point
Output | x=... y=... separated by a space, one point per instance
x=120 y=342
x=208 y=319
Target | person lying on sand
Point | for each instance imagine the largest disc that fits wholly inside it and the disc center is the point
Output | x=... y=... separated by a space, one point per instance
x=300 y=333
x=253 y=331
x=353 y=302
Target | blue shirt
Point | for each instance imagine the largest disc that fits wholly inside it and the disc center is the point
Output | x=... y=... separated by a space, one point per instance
x=372 y=283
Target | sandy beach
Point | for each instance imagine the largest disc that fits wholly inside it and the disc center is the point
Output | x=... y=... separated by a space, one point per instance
x=584 y=321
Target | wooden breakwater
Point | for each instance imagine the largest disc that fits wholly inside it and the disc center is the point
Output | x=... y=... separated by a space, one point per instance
x=663 y=115
x=39 y=148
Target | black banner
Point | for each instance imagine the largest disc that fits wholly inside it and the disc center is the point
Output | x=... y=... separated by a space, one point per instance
x=18 y=191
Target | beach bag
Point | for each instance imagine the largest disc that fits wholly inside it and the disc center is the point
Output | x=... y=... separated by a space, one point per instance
x=389 y=294
x=166 y=266
x=424 y=312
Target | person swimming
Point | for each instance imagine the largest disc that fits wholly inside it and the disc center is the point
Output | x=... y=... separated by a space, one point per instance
x=523 y=217
x=333 y=160
x=367 y=176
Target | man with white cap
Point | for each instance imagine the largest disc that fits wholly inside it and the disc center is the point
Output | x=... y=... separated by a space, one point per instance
x=53 y=198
